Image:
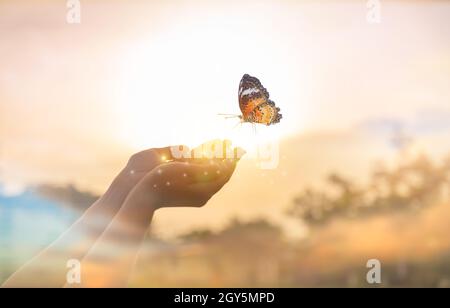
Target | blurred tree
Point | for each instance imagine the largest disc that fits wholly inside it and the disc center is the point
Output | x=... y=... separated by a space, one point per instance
x=409 y=186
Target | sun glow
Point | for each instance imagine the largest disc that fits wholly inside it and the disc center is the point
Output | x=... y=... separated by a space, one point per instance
x=171 y=91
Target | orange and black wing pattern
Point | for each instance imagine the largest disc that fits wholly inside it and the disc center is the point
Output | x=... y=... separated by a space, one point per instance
x=254 y=102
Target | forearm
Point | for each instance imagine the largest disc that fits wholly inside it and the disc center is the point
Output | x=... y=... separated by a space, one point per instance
x=74 y=243
x=114 y=254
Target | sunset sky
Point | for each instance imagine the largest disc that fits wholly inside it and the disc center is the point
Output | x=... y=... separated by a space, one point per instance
x=76 y=100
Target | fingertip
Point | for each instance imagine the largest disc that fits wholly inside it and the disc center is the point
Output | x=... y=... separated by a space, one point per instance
x=230 y=164
x=178 y=152
x=239 y=152
x=227 y=142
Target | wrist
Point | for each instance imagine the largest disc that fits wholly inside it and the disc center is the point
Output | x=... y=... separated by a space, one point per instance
x=138 y=207
x=119 y=189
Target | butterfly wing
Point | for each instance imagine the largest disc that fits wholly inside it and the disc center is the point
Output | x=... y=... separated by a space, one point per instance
x=254 y=102
x=267 y=113
x=251 y=94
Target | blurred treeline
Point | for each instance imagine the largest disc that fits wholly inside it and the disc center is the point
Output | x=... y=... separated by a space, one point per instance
x=399 y=215
x=409 y=186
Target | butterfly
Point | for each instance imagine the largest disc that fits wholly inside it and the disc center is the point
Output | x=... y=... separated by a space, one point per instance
x=254 y=102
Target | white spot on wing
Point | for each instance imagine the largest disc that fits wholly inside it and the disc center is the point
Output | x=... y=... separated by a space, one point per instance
x=250 y=91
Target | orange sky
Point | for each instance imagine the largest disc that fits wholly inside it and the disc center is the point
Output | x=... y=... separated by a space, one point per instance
x=77 y=100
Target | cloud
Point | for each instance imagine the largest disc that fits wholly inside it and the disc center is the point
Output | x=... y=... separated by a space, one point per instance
x=11 y=189
x=68 y=195
x=427 y=121
x=431 y=121
x=400 y=132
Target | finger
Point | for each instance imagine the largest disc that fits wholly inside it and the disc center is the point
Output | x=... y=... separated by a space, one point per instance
x=214 y=149
x=227 y=151
x=221 y=169
x=207 y=150
x=227 y=169
x=208 y=189
x=192 y=172
x=146 y=160
x=174 y=152
x=199 y=153
x=239 y=152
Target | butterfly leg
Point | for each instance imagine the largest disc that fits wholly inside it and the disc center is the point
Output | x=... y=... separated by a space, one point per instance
x=237 y=124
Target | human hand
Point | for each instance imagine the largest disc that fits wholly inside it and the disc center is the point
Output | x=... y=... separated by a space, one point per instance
x=139 y=165
x=184 y=181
